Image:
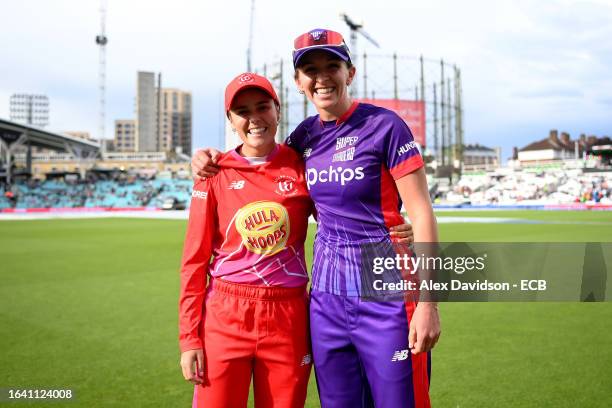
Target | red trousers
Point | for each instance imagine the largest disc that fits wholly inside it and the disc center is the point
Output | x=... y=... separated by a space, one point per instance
x=254 y=331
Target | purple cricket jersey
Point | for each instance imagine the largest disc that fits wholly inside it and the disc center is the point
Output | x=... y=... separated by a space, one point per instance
x=351 y=165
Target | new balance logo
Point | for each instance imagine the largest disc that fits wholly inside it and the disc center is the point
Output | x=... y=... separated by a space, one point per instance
x=400 y=355
x=306 y=360
x=307 y=152
x=199 y=194
x=236 y=185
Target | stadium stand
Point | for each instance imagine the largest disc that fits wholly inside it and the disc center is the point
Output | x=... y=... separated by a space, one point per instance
x=552 y=186
x=504 y=186
x=94 y=194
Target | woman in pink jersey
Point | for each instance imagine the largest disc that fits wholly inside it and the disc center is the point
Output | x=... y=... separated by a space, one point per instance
x=361 y=160
x=251 y=318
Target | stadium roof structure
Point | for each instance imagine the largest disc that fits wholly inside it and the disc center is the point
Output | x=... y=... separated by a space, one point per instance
x=478 y=147
x=10 y=132
x=591 y=144
x=602 y=144
x=14 y=135
x=603 y=148
x=554 y=142
x=546 y=144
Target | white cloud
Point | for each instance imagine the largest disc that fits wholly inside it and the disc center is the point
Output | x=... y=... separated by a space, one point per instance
x=526 y=65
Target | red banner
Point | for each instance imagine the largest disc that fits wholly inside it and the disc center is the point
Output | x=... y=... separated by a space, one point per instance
x=413 y=113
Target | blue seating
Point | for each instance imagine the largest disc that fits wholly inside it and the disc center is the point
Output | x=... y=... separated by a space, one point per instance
x=103 y=193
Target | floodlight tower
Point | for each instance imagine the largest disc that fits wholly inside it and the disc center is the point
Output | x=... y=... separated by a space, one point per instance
x=250 y=46
x=102 y=40
x=356 y=28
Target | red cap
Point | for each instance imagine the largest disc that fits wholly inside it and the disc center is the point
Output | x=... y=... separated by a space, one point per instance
x=245 y=81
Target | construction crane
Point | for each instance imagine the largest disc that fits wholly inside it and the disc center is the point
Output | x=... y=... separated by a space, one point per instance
x=356 y=28
x=101 y=41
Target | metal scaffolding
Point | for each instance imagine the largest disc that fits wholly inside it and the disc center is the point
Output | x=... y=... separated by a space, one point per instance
x=436 y=83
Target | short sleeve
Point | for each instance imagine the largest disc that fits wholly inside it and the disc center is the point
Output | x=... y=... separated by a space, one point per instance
x=297 y=138
x=401 y=153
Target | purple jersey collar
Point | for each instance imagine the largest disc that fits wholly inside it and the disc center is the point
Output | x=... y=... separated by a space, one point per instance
x=344 y=116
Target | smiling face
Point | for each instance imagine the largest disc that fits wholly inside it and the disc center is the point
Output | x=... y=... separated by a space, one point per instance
x=324 y=79
x=255 y=116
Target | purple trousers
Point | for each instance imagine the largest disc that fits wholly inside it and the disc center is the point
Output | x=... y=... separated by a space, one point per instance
x=361 y=356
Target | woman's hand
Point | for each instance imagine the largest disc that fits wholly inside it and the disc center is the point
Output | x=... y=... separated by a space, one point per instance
x=204 y=163
x=424 y=328
x=190 y=358
x=425 y=322
x=402 y=233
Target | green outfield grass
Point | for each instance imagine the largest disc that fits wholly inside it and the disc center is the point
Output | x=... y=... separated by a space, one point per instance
x=604 y=217
x=92 y=305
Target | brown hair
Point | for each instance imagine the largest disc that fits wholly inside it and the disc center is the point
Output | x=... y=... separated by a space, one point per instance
x=348 y=64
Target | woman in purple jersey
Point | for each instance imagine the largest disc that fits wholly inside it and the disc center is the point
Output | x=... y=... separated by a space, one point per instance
x=361 y=349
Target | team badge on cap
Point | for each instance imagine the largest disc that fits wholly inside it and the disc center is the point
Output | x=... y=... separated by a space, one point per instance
x=319 y=36
x=246 y=78
x=321 y=39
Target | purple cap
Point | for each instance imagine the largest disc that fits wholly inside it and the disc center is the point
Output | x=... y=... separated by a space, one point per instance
x=320 y=39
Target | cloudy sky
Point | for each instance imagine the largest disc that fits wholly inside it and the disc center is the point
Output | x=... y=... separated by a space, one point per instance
x=527 y=66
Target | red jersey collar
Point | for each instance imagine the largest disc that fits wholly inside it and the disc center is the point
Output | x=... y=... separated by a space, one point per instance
x=346 y=114
x=234 y=153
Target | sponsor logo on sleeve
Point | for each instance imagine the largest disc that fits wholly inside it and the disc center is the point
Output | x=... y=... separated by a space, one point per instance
x=406 y=148
x=199 y=194
x=264 y=227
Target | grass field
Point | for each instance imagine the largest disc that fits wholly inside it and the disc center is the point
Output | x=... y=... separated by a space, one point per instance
x=92 y=305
